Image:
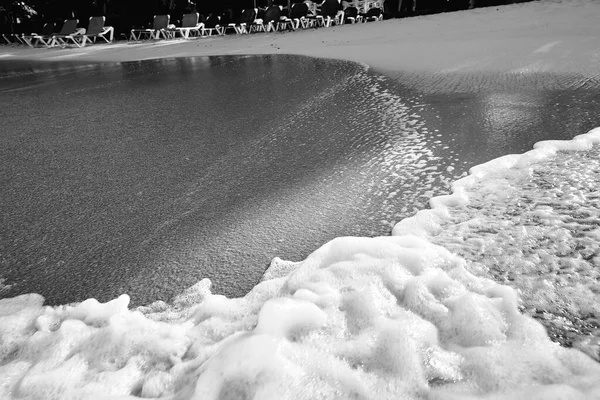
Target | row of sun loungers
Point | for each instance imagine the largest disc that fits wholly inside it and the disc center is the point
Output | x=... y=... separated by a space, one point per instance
x=301 y=16
x=68 y=34
x=249 y=23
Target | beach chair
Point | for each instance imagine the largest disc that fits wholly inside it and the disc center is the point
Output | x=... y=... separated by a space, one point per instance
x=69 y=33
x=351 y=15
x=373 y=14
x=189 y=25
x=43 y=38
x=338 y=19
x=225 y=24
x=258 y=23
x=285 y=22
x=11 y=38
x=299 y=15
x=330 y=14
x=96 y=29
x=314 y=18
x=245 y=21
x=160 y=25
x=210 y=25
x=223 y=29
x=16 y=37
x=273 y=19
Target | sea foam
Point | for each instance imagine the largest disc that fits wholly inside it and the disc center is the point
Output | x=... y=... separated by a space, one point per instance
x=361 y=318
x=531 y=221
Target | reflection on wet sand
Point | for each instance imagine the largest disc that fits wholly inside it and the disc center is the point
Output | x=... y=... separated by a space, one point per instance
x=151 y=175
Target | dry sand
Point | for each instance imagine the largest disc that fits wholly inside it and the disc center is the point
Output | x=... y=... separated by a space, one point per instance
x=540 y=36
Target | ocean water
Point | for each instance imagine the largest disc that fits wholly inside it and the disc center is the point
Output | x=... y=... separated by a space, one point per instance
x=468 y=299
x=143 y=178
x=362 y=318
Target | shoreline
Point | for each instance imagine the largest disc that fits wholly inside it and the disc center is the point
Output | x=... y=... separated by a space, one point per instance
x=359 y=317
x=519 y=39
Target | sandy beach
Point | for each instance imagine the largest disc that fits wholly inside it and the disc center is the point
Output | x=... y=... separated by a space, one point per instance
x=142 y=202
x=536 y=37
x=494 y=80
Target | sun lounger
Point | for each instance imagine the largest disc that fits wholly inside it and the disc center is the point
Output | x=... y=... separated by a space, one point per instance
x=245 y=20
x=351 y=15
x=69 y=33
x=258 y=23
x=14 y=38
x=373 y=14
x=96 y=29
x=299 y=15
x=159 y=28
x=314 y=18
x=210 y=25
x=189 y=26
x=223 y=29
x=44 y=38
x=338 y=19
x=272 y=18
x=285 y=23
x=9 y=39
x=330 y=14
x=225 y=24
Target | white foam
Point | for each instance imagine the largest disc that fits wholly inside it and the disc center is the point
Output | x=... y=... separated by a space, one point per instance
x=363 y=318
x=529 y=220
x=360 y=317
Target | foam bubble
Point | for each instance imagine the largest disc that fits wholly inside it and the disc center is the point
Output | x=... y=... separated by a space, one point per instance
x=530 y=221
x=359 y=318
x=363 y=318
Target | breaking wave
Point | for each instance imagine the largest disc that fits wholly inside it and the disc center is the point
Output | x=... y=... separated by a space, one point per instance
x=439 y=310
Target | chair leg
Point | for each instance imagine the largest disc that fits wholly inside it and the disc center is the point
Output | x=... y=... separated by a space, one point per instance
x=74 y=40
x=110 y=30
x=28 y=42
x=16 y=39
x=289 y=25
